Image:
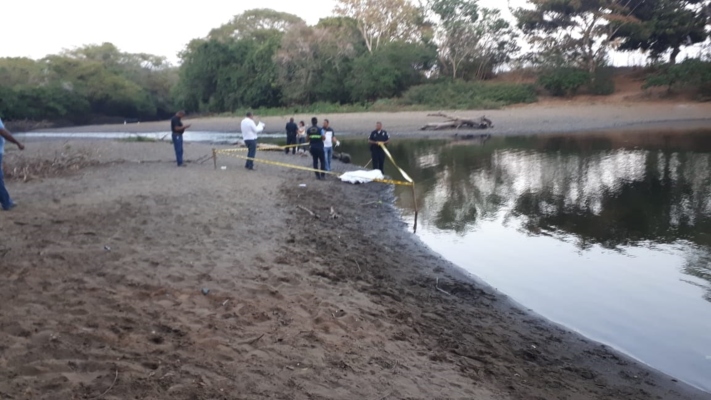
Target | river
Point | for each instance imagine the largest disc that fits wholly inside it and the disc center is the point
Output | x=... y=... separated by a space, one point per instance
x=607 y=234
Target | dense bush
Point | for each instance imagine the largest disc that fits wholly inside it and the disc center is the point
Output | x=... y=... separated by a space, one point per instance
x=565 y=81
x=468 y=95
x=603 y=83
x=690 y=74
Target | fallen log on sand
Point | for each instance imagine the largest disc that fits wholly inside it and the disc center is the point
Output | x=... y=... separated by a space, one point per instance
x=454 y=122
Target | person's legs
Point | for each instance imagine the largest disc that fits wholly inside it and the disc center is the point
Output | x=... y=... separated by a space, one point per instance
x=316 y=157
x=178 y=146
x=251 y=152
x=375 y=159
x=328 y=154
x=290 y=140
x=322 y=158
x=5 y=201
x=302 y=141
x=381 y=161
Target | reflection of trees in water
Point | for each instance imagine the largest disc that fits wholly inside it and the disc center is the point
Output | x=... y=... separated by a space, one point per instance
x=611 y=197
x=698 y=264
x=621 y=197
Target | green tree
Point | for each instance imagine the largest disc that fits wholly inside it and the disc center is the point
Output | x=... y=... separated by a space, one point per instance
x=219 y=76
x=314 y=62
x=455 y=31
x=666 y=26
x=244 y=25
x=577 y=33
x=390 y=70
x=383 y=21
x=473 y=38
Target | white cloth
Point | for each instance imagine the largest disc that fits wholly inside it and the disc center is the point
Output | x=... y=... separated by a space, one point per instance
x=362 y=176
x=250 y=129
x=328 y=138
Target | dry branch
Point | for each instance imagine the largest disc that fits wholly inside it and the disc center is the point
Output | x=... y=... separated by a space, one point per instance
x=313 y=214
x=454 y=122
x=21 y=167
x=441 y=290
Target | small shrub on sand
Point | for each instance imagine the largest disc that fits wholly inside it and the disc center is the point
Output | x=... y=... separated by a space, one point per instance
x=18 y=166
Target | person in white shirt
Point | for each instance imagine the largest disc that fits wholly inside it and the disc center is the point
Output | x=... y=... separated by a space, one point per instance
x=329 y=137
x=249 y=133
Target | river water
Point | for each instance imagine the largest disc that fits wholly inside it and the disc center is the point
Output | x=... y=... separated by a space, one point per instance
x=607 y=234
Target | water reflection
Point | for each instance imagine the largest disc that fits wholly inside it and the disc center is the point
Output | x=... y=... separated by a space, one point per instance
x=616 y=225
x=612 y=190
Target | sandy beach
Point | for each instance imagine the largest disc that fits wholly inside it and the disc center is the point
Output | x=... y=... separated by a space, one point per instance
x=136 y=279
x=552 y=116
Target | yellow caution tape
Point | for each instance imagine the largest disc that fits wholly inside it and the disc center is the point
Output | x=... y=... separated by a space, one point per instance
x=268 y=148
x=403 y=173
x=280 y=164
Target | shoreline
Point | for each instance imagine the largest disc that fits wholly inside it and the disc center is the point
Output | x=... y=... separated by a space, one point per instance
x=537 y=118
x=341 y=313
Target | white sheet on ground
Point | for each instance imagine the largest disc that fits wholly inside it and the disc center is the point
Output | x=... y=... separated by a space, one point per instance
x=362 y=176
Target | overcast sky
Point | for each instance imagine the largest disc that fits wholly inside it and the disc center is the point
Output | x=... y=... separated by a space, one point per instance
x=35 y=28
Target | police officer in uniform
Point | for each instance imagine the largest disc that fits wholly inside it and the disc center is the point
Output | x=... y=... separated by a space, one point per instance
x=377 y=152
x=315 y=136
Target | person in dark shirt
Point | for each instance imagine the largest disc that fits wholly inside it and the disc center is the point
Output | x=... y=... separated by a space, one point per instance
x=315 y=136
x=376 y=151
x=291 y=129
x=177 y=129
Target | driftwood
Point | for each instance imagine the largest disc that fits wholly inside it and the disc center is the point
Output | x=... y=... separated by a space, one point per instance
x=454 y=122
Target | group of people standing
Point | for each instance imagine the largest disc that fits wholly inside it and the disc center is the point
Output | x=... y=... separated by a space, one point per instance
x=321 y=141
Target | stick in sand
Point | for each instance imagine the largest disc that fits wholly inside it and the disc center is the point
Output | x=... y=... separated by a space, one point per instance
x=443 y=291
x=107 y=390
x=308 y=211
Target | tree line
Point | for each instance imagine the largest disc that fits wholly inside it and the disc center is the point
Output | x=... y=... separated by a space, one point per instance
x=369 y=51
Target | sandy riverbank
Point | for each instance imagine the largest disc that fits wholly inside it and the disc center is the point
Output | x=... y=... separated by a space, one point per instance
x=546 y=117
x=103 y=271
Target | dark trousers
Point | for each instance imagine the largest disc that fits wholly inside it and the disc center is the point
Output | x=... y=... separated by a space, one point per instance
x=290 y=140
x=5 y=200
x=319 y=155
x=378 y=159
x=178 y=147
x=251 y=152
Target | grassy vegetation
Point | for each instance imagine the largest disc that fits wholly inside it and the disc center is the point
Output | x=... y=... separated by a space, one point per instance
x=469 y=95
x=449 y=95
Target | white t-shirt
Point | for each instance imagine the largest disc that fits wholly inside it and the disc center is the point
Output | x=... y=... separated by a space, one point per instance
x=328 y=138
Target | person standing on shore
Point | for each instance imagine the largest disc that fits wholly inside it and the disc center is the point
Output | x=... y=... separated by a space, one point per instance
x=291 y=130
x=177 y=129
x=249 y=134
x=315 y=135
x=301 y=136
x=378 y=138
x=328 y=140
x=5 y=200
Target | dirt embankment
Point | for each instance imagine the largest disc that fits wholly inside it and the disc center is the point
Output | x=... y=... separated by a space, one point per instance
x=104 y=272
